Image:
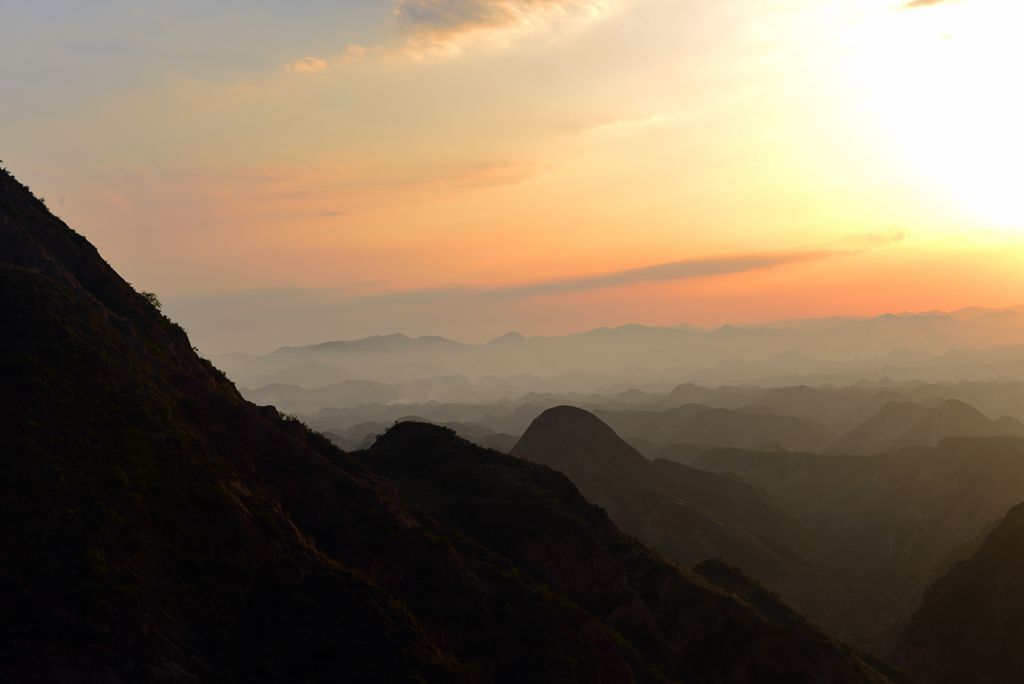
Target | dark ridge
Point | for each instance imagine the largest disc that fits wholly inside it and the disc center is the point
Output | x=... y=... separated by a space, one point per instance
x=535 y=518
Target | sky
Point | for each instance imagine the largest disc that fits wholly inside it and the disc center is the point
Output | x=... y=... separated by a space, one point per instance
x=291 y=172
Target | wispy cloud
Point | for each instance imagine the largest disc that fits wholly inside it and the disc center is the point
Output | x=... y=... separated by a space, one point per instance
x=923 y=3
x=438 y=29
x=450 y=27
x=307 y=65
x=686 y=269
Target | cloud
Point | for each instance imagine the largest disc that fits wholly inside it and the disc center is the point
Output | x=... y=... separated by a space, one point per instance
x=923 y=3
x=439 y=28
x=686 y=269
x=307 y=65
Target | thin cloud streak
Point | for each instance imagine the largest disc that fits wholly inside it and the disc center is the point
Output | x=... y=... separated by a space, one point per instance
x=689 y=269
x=438 y=29
x=686 y=269
x=234 y=319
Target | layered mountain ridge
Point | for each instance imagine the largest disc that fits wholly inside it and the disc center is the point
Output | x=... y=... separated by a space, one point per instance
x=158 y=527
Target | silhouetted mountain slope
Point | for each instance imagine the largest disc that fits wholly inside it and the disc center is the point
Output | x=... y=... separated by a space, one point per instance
x=897 y=520
x=698 y=424
x=905 y=424
x=688 y=514
x=537 y=519
x=970 y=625
x=157 y=527
x=140 y=542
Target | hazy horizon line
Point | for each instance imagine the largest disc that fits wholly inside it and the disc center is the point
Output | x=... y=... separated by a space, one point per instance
x=1016 y=308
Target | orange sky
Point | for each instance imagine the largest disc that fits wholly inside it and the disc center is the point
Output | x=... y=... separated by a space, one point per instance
x=439 y=166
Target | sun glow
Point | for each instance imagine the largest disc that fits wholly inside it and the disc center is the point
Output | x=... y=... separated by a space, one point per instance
x=944 y=81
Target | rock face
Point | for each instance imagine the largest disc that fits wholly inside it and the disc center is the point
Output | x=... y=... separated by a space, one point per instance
x=970 y=625
x=157 y=527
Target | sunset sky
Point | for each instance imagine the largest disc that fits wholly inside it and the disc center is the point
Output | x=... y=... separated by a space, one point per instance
x=291 y=172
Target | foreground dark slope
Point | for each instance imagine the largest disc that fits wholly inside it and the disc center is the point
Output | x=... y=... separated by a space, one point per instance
x=140 y=542
x=536 y=518
x=157 y=527
x=970 y=625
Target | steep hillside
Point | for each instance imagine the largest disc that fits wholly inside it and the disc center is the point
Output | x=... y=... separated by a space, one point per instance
x=157 y=527
x=970 y=625
x=142 y=539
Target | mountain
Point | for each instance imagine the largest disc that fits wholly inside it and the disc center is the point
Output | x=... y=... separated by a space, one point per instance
x=970 y=624
x=537 y=519
x=933 y=346
x=158 y=527
x=897 y=521
x=905 y=424
x=145 y=536
x=688 y=514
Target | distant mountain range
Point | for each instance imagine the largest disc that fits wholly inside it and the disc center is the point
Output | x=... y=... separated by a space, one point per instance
x=967 y=344
x=860 y=419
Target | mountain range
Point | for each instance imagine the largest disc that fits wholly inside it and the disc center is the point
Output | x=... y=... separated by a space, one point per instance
x=159 y=527
x=933 y=347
